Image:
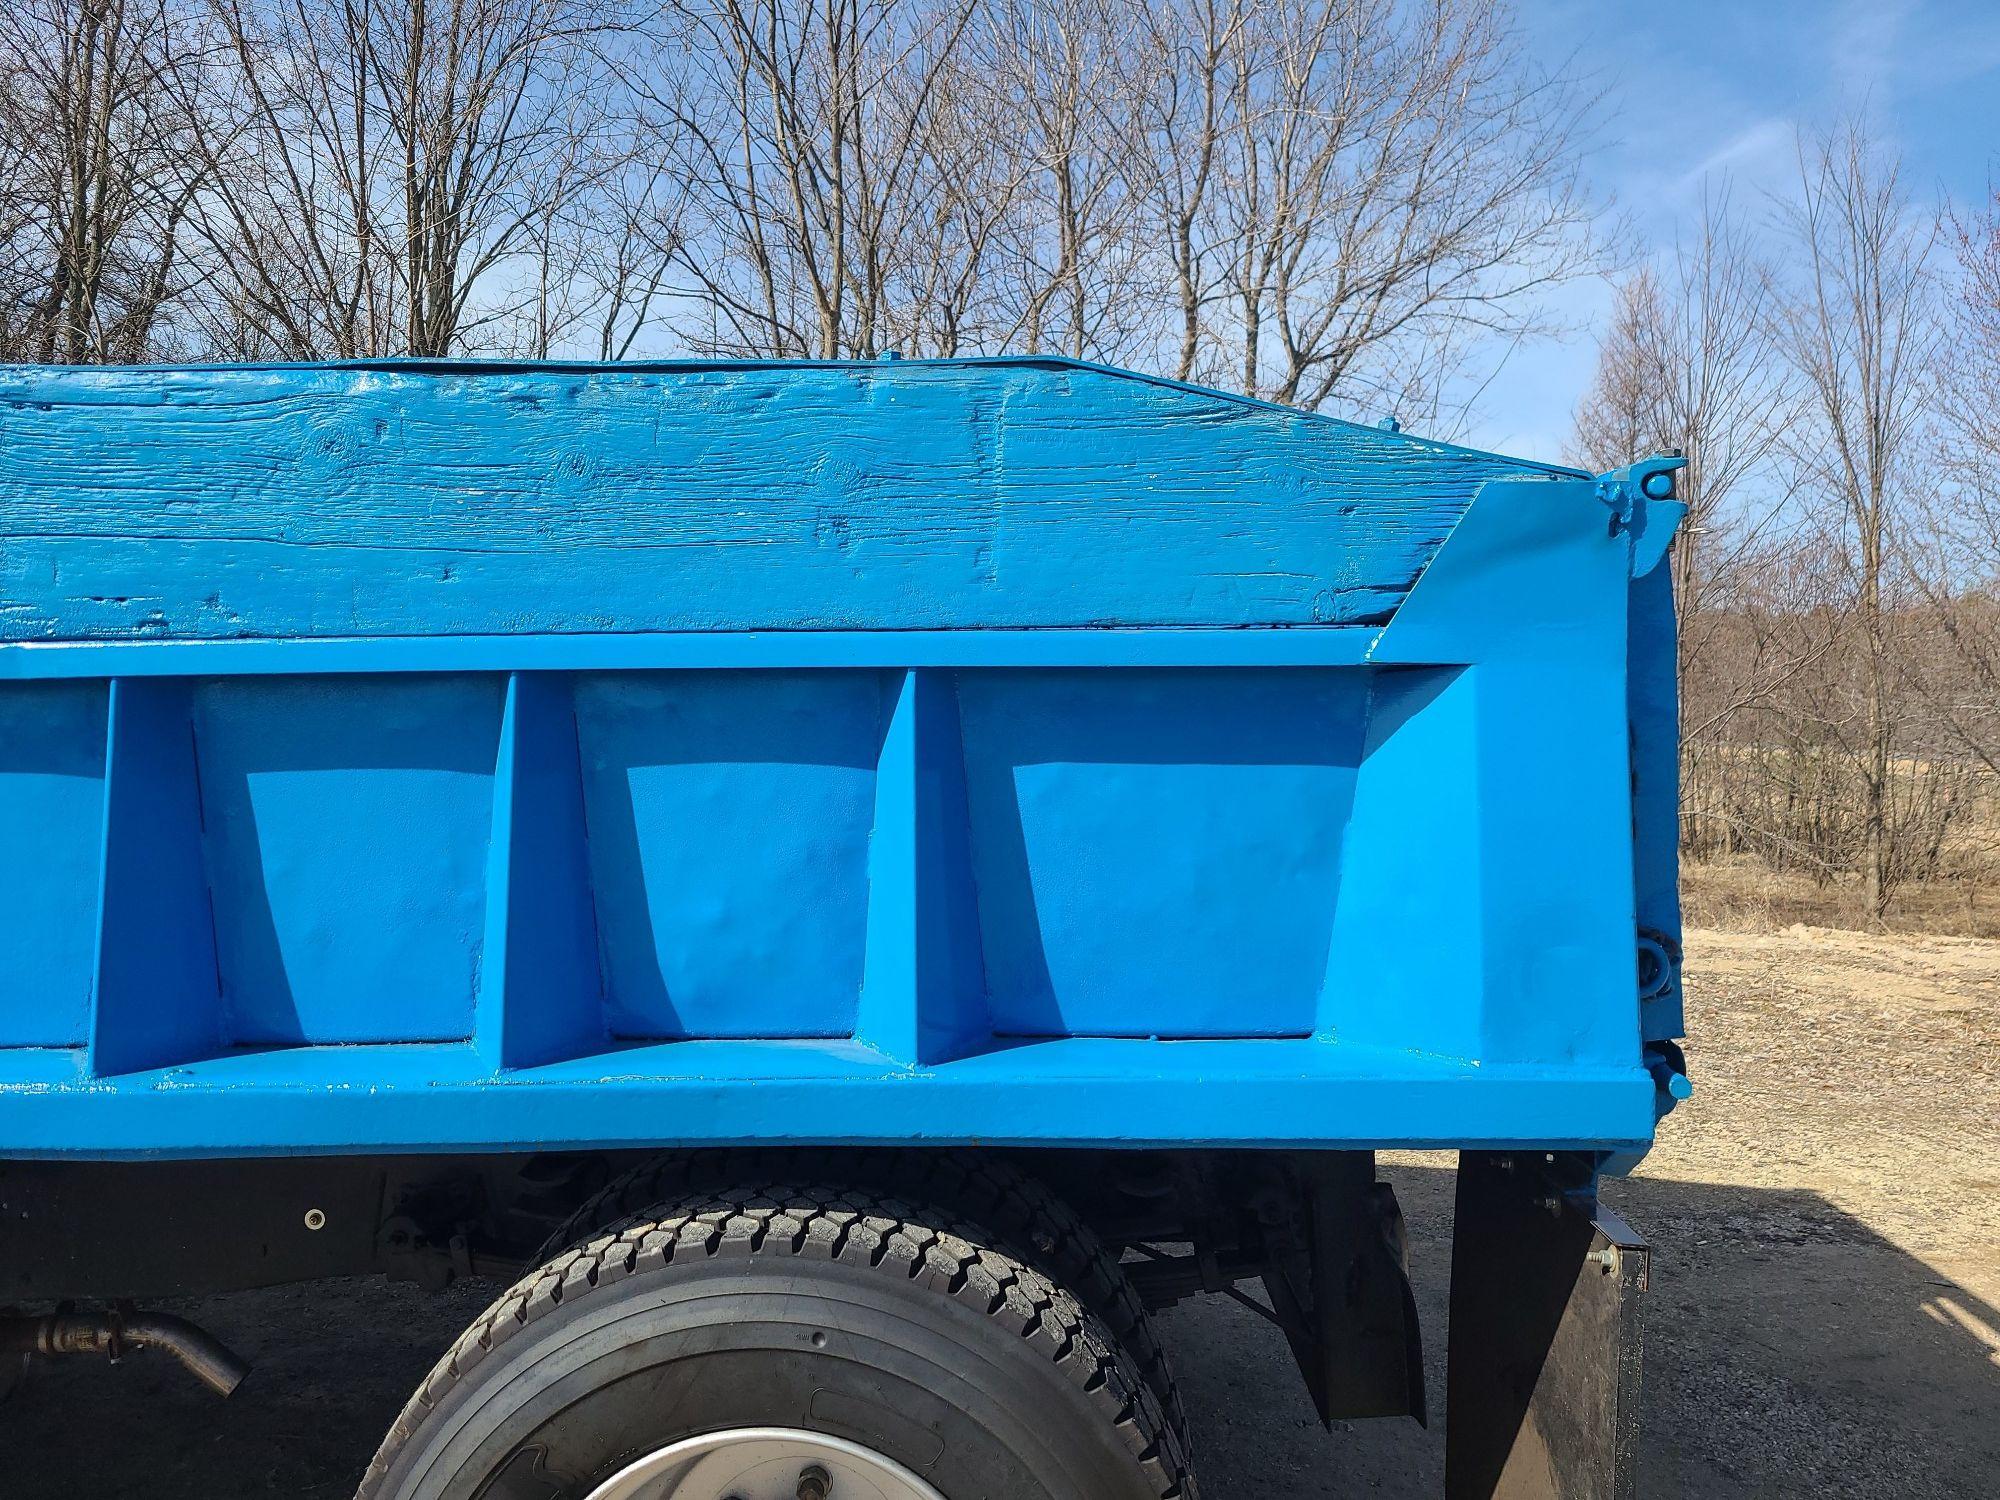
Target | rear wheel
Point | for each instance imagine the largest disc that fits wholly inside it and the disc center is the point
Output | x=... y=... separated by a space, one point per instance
x=958 y=1336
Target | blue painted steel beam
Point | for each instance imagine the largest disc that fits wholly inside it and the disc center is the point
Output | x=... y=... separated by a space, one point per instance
x=1331 y=646
x=540 y=995
x=1062 y=1092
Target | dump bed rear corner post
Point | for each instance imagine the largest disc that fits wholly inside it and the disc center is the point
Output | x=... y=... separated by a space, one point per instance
x=1543 y=1382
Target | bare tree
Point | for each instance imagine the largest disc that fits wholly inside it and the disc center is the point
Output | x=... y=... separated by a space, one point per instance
x=944 y=296
x=801 y=135
x=1961 y=575
x=1691 y=362
x=1068 y=79
x=1857 y=324
x=1190 y=50
x=601 y=251
x=631 y=240
x=1626 y=413
x=1349 y=190
x=93 y=191
x=1369 y=185
x=379 y=172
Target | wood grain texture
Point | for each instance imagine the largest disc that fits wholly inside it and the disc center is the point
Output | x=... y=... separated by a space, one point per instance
x=407 y=499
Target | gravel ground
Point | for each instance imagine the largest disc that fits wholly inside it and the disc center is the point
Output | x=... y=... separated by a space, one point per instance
x=1824 y=1320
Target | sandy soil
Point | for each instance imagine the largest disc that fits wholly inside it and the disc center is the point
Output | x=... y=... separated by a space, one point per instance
x=1825 y=1318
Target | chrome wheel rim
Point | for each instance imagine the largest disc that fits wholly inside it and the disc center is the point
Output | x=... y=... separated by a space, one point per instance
x=764 y=1463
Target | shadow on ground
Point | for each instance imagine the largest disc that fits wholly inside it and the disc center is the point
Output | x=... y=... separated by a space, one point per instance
x=1791 y=1351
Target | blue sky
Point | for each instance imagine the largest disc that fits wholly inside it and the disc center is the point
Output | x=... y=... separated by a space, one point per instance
x=1708 y=87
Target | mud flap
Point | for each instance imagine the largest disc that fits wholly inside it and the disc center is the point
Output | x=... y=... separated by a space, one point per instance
x=1542 y=1392
x=1346 y=1305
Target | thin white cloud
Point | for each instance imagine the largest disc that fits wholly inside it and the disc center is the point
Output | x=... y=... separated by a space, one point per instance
x=1883 y=51
x=1865 y=48
x=1762 y=144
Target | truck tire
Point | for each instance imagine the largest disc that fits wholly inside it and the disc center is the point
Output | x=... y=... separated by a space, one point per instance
x=920 y=1325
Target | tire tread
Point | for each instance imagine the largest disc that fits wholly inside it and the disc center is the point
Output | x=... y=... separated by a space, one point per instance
x=971 y=1229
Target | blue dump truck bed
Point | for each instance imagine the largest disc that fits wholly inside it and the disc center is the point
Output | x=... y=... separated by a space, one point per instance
x=410 y=758
x=854 y=883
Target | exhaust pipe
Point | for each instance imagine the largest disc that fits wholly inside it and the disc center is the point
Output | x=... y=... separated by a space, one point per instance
x=203 y=1355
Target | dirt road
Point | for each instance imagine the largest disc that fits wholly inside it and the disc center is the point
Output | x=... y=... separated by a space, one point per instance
x=1825 y=1319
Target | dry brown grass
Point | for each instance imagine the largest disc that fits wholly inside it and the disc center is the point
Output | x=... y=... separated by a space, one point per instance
x=1745 y=895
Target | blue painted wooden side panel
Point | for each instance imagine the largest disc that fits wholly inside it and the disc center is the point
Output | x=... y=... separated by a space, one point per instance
x=155 y=992
x=1141 y=886
x=1104 y=807
x=407 y=500
x=51 y=845
x=729 y=816
x=1410 y=923
x=346 y=823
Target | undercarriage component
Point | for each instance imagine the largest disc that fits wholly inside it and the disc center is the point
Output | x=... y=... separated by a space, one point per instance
x=111 y=1334
x=146 y=1231
x=1544 y=1375
x=1325 y=1238
x=1344 y=1298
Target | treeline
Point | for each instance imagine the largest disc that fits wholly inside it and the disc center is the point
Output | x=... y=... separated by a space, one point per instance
x=1829 y=360
x=1318 y=201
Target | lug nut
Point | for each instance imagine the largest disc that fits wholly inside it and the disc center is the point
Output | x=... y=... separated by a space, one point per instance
x=814 y=1483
